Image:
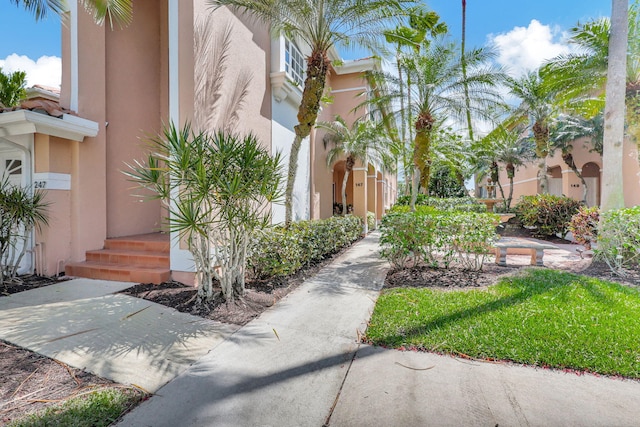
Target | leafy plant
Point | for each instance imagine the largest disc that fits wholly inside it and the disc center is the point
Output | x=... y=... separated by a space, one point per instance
x=619 y=239
x=21 y=210
x=550 y=214
x=584 y=225
x=371 y=221
x=462 y=204
x=12 y=88
x=280 y=251
x=437 y=238
x=218 y=189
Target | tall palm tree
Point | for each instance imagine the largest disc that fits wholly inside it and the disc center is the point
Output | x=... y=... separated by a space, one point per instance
x=118 y=11
x=320 y=25
x=439 y=93
x=420 y=24
x=362 y=142
x=537 y=107
x=614 y=111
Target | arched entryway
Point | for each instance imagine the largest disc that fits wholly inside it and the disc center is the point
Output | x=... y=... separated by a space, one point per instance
x=338 y=177
x=554 y=175
x=591 y=175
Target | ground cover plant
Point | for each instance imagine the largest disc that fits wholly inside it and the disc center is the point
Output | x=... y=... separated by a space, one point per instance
x=539 y=317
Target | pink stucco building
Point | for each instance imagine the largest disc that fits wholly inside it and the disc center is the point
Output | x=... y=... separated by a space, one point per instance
x=178 y=61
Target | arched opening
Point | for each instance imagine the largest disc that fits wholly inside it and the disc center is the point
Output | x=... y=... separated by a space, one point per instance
x=338 y=177
x=591 y=174
x=555 y=180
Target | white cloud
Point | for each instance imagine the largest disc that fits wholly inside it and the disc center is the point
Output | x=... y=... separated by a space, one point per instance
x=525 y=49
x=47 y=70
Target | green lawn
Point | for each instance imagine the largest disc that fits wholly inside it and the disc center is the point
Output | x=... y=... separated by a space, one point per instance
x=97 y=409
x=540 y=317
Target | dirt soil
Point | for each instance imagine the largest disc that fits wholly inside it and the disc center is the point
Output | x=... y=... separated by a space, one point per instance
x=31 y=381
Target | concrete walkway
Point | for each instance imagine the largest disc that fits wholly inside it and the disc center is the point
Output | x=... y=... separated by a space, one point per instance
x=299 y=363
x=82 y=323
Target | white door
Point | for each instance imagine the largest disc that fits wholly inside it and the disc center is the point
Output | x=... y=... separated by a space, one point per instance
x=555 y=186
x=12 y=162
x=592 y=191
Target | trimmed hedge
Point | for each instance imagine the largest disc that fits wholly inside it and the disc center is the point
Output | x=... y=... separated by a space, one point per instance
x=437 y=238
x=550 y=214
x=461 y=204
x=278 y=251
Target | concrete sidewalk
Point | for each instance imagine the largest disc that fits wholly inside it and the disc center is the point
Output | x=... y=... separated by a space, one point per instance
x=300 y=364
x=285 y=367
x=82 y=323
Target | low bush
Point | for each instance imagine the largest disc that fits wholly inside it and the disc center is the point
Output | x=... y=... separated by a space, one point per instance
x=584 y=225
x=462 y=204
x=279 y=251
x=550 y=214
x=437 y=238
x=371 y=221
x=619 y=239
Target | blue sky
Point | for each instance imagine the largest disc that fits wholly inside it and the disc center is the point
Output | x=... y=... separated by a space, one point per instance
x=488 y=21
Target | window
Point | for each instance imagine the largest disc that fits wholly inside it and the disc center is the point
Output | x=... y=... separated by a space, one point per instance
x=293 y=62
x=13 y=167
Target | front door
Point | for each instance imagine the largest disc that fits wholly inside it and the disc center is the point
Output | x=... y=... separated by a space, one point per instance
x=12 y=167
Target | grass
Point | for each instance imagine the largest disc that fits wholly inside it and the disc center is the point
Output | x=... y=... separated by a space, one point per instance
x=96 y=409
x=540 y=317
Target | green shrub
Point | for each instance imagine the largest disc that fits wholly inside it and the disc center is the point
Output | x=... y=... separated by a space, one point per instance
x=550 y=214
x=371 y=221
x=462 y=204
x=584 y=225
x=437 y=238
x=278 y=251
x=619 y=239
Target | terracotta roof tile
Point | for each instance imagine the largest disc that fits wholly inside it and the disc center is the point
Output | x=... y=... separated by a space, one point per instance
x=43 y=106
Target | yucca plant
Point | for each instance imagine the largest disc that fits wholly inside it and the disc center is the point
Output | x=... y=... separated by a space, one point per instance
x=21 y=210
x=218 y=189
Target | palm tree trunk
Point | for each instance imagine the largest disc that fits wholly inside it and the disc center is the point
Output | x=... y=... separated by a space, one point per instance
x=463 y=65
x=510 y=174
x=317 y=68
x=541 y=136
x=344 y=191
x=612 y=156
x=568 y=159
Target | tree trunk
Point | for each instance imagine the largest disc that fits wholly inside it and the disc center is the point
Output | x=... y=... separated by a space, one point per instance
x=568 y=159
x=612 y=155
x=317 y=68
x=422 y=148
x=541 y=136
x=344 y=192
x=463 y=66
x=511 y=173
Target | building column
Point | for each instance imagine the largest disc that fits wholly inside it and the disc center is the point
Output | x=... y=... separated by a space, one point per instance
x=380 y=186
x=360 y=194
x=372 y=189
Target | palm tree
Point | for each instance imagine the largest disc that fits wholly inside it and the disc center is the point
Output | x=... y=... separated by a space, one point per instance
x=566 y=129
x=439 y=93
x=504 y=146
x=12 y=88
x=320 y=25
x=118 y=11
x=421 y=22
x=614 y=111
x=537 y=107
x=362 y=142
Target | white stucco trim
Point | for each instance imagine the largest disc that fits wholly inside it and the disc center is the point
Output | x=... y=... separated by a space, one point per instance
x=22 y=122
x=357 y=66
x=360 y=169
x=73 y=63
x=174 y=62
x=52 y=181
x=349 y=89
x=283 y=89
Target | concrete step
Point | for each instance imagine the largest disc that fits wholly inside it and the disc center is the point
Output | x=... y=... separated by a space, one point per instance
x=118 y=272
x=154 y=242
x=128 y=257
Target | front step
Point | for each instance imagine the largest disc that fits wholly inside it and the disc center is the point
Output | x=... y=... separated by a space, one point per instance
x=142 y=258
